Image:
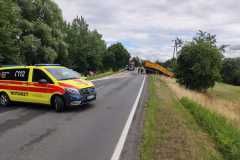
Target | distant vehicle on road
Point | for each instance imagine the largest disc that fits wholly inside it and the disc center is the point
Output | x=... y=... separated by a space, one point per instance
x=131 y=66
x=45 y=84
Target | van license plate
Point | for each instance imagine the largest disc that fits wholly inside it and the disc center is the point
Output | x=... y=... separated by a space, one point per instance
x=90 y=97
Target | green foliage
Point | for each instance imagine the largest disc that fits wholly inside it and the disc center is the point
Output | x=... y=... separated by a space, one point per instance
x=86 y=48
x=88 y=51
x=34 y=32
x=30 y=45
x=108 y=60
x=42 y=39
x=9 y=32
x=199 y=63
x=231 y=71
x=121 y=55
x=170 y=131
x=150 y=123
x=226 y=136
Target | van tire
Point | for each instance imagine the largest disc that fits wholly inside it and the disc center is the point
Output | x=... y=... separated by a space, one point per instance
x=4 y=99
x=58 y=103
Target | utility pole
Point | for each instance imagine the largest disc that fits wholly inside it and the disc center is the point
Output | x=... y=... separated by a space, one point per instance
x=177 y=43
x=174 y=48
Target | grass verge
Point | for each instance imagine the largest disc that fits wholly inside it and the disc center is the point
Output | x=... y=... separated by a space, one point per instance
x=147 y=148
x=223 y=98
x=226 y=136
x=170 y=131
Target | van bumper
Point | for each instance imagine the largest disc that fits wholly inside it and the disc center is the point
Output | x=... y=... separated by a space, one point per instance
x=78 y=100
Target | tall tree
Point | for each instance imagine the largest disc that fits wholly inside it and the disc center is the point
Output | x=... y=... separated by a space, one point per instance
x=199 y=62
x=9 y=32
x=42 y=38
x=33 y=31
x=121 y=55
x=108 y=60
x=97 y=49
x=86 y=47
x=76 y=38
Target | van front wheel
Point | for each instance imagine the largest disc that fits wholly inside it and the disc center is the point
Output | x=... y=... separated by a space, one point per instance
x=58 y=103
x=4 y=100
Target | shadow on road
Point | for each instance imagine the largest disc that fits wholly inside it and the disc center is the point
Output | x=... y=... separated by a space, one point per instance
x=44 y=108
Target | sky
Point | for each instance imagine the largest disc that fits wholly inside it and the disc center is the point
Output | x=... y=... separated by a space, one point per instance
x=147 y=27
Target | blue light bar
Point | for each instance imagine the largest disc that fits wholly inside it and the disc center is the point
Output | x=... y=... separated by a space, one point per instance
x=47 y=64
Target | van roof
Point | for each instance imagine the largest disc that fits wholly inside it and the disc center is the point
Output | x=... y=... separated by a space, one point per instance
x=32 y=66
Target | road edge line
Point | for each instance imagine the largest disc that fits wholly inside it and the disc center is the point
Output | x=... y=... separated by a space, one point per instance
x=119 y=147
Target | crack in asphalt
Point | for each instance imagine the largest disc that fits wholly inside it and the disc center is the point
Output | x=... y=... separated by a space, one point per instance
x=38 y=139
x=13 y=123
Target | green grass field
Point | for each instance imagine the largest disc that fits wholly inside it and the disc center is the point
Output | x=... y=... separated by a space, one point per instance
x=225 y=91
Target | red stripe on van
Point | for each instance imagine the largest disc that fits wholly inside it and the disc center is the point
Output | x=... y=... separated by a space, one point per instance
x=46 y=89
x=12 y=82
x=40 y=89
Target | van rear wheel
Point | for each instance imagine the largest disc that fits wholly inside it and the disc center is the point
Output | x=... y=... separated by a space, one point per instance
x=58 y=104
x=4 y=100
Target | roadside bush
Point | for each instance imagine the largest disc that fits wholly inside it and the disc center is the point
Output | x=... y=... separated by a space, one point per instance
x=199 y=63
x=226 y=136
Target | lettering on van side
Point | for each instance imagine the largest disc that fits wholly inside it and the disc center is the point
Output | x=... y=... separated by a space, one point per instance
x=3 y=75
x=19 y=93
x=20 y=74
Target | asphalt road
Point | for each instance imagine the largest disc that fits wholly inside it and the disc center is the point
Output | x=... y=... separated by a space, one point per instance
x=90 y=132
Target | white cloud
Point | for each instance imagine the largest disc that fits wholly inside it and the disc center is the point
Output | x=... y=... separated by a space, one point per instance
x=147 y=27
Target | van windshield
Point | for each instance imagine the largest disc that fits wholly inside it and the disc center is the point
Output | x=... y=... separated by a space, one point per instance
x=64 y=73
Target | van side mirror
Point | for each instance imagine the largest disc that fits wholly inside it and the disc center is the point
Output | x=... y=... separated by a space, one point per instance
x=43 y=81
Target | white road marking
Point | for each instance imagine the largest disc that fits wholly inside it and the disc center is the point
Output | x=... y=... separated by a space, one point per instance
x=119 y=147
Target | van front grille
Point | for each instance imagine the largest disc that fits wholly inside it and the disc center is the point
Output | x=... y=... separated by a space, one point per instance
x=85 y=91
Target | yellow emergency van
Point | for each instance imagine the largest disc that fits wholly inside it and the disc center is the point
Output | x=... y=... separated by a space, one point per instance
x=48 y=84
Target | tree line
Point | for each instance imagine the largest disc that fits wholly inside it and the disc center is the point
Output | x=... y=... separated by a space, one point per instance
x=33 y=31
x=200 y=63
x=231 y=71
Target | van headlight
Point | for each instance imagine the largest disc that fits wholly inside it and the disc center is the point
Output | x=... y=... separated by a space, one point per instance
x=72 y=91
